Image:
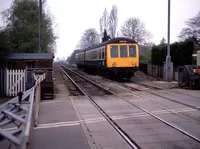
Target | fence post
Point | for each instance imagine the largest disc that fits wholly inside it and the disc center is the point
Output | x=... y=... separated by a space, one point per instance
x=37 y=102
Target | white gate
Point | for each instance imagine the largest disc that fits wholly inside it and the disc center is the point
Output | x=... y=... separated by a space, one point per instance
x=15 y=82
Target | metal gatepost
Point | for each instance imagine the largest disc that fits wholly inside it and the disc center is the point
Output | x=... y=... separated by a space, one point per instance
x=19 y=115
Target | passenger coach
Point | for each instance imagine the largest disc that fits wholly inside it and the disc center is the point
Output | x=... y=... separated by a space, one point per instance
x=118 y=57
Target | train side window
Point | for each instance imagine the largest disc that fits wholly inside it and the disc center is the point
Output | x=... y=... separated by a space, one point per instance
x=132 y=51
x=94 y=54
x=123 y=51
x=76 y=56
x=82 y=56
x=103 y=53
x=99 y=50
x=86 y=55
x=114 y=51
x=89 y=54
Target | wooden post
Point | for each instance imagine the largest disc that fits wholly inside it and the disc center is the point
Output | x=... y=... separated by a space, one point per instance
x=37 y=102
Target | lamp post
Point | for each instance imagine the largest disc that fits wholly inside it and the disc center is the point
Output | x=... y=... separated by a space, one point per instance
x=168 y=57
x=40 y=26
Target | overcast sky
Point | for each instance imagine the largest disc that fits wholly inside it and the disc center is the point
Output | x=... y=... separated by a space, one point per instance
x=73 y=17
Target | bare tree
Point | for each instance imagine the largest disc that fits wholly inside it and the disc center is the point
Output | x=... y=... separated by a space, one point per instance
x=192 y=31
x=90 y=37
x=101 y=27
x=113 y=20
x=134 y=28
x=104 y=22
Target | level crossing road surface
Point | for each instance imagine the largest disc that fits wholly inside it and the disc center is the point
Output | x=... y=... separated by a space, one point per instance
x=73 y=122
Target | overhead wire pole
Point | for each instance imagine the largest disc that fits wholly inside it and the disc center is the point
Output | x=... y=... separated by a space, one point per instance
x=40 y=26
x=168 y=57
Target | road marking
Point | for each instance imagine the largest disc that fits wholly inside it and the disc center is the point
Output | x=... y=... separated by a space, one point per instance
x=154 y=112
x=95 y=120
x=101 y=119
x=9 y=129
x=58 y=125
x=57 y=101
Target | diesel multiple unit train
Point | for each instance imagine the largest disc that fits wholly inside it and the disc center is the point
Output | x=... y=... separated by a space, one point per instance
x=118 y=57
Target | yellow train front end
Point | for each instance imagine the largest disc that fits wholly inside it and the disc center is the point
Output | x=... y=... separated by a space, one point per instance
x=122 y=59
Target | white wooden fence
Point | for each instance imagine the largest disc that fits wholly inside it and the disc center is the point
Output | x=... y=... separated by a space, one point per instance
x=15 y=82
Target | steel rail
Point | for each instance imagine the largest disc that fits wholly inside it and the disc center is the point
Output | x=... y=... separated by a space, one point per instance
x=144 y=110
x=175 y=101
x=123 y=134
x=149 y=86
x=161 y=105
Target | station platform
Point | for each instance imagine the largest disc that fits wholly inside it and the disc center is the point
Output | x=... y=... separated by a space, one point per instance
x=72 y=122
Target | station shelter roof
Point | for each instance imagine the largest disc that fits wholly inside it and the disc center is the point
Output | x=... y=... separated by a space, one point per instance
x=30 y=56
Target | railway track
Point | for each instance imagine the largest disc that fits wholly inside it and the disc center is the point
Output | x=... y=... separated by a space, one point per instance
x=124 y=135
x=153 y=88
x=149 y=89
x=161 y=96
x=112 y=122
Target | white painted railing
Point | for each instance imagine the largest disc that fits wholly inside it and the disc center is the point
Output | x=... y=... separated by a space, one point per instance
x=15 y=81
x=23 y=114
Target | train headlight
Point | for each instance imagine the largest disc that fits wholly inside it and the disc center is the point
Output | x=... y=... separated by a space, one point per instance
x=114 y=64
x=133 y=63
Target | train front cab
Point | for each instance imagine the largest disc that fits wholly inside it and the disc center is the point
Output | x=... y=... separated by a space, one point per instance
x=122 y=59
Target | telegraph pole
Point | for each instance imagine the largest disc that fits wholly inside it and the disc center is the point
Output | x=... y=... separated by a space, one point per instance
x=168 y=57
x=40 y=26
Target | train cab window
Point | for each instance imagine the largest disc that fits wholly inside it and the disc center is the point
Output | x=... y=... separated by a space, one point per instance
x=123 y=51
x=114 y=51
x=132 y=51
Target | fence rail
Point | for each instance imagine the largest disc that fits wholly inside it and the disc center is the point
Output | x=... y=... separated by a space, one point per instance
x=18 y=117
x=155 y=71
x=158 y=72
